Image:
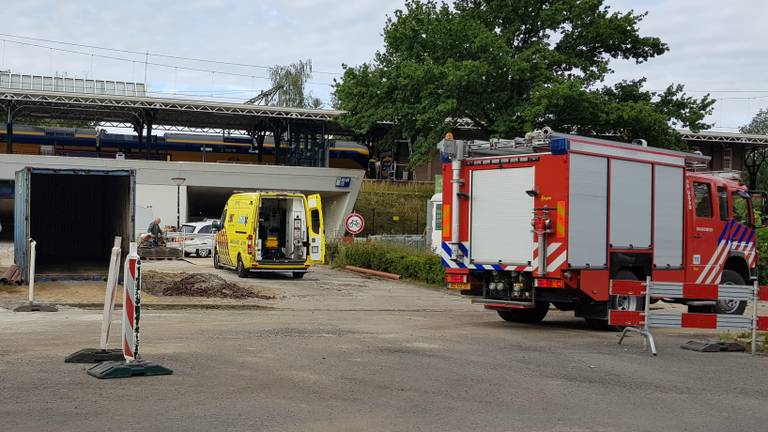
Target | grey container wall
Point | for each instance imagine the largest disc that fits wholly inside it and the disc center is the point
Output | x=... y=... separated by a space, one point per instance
x=73 y=215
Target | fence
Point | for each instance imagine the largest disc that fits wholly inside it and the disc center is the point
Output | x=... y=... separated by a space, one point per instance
x=641 y=322
x=400 y=222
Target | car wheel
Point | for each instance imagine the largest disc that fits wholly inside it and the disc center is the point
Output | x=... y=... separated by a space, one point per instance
x=241 y=270
x=203 y=253
x=527 y=316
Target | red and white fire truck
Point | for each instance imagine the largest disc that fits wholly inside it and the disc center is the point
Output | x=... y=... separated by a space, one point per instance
x=552 y=218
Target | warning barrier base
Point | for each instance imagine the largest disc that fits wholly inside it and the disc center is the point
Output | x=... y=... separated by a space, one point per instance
x=122 y=369
x=641 y=331
x=36 y=307
x=706 y=345
x=94 y=355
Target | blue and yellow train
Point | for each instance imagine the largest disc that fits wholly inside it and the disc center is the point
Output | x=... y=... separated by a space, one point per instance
x=170 y=147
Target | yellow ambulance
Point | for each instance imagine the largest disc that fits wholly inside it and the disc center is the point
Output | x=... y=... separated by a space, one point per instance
x=270 y=232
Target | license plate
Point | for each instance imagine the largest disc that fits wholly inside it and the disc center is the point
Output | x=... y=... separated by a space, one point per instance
x=458 y=286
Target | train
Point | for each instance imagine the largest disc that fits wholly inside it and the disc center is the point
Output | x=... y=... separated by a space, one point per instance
x=87 y=142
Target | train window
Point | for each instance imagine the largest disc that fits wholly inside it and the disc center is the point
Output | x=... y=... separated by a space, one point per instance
x=722 y=202
x=703 y=200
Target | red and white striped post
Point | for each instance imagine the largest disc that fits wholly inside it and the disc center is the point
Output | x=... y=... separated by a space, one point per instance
x=133 y=365
x=131 y=304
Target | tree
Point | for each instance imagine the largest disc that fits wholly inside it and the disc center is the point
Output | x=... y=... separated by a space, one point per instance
x=758 y=125
x=292 y=80
x=510 y=67
x=756 y=156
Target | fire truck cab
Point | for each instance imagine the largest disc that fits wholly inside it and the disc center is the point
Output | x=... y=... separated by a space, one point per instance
x=550 y=219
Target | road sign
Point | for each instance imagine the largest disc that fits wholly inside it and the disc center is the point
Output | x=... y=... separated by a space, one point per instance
x=354 y=223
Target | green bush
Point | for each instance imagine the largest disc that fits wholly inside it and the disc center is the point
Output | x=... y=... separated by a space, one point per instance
x=409 y=263
x=762 y=250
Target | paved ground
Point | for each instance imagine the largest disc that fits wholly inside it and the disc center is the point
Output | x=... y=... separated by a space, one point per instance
x=337 y=352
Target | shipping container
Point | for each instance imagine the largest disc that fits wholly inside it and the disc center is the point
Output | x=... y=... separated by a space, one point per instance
x=73 y=215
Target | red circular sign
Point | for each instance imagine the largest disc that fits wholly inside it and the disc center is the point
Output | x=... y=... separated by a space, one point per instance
x=354 y=223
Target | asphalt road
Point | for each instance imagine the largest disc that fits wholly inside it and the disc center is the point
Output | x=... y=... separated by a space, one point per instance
x=415 y=360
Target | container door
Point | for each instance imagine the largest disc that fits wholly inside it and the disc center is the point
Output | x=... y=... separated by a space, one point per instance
x=21 y=219
x=316 y=230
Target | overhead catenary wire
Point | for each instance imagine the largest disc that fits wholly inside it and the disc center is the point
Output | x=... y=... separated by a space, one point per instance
x=177 y=57
x=146 y=62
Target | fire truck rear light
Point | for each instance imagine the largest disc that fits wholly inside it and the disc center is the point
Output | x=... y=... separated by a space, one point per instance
x=456 y=278
x=549 y=283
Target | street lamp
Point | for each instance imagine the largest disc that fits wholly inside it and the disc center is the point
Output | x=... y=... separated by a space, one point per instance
x=178 y=181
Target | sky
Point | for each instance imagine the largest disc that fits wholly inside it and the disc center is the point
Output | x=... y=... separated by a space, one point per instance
x=715 y=46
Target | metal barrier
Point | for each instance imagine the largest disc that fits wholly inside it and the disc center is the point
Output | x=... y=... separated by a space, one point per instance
x=642 y=321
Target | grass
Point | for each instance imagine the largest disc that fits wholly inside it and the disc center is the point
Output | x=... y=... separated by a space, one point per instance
x=409 y=263
x=745 y=338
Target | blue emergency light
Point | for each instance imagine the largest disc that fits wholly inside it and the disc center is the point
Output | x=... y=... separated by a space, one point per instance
x=559 y=146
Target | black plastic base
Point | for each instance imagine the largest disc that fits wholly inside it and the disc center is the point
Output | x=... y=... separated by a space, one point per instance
x=121 y=369
x=94 y=355
x=705 y=345
x=34 y=307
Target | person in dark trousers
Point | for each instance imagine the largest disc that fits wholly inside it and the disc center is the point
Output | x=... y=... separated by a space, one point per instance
x=156 y=231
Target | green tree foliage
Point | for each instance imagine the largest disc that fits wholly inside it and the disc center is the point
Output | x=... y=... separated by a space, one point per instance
x=758 y=125
x=292 y=81
x=511 y=67
x=756 y=157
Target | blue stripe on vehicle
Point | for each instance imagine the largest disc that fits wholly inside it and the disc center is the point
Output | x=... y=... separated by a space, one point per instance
x=744 y=234
x=446 y=248
x=725 y=229
x=735 y=232
x=445 y=263
x=463 y=249
x=751 y=237
x=497 y=267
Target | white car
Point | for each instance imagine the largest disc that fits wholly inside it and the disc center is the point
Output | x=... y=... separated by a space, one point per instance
x=198 y=238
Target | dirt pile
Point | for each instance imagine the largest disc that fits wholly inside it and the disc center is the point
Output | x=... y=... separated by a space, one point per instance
x=195 y=285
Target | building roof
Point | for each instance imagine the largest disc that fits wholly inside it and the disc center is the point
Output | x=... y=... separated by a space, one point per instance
x=730 y=137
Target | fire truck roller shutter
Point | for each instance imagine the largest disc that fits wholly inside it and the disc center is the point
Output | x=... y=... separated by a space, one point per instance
x=668 y=217
x=587 y=211
x=631 y=204
x=501 y=216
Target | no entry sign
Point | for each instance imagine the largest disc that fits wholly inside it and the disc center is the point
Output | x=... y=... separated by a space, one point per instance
x=354 y=223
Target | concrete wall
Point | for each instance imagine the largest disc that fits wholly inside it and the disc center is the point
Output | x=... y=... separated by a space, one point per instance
x=156 y=192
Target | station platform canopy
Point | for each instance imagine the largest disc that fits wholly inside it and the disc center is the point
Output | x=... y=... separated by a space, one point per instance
x=161 y=113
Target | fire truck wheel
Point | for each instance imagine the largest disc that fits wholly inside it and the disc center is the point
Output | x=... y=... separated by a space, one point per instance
x=527 y=316
x=731 y=307
x=624 y=303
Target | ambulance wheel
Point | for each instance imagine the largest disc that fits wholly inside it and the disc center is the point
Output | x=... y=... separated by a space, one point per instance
x=527 y=316
x=216 y=262
x=298 y=275
x=241 y=270
x=731 y=307
x=203 y=253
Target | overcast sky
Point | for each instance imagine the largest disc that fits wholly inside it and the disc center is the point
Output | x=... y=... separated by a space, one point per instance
x=715 y=45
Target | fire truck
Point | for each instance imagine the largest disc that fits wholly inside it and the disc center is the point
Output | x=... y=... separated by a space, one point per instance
x=551 y=219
